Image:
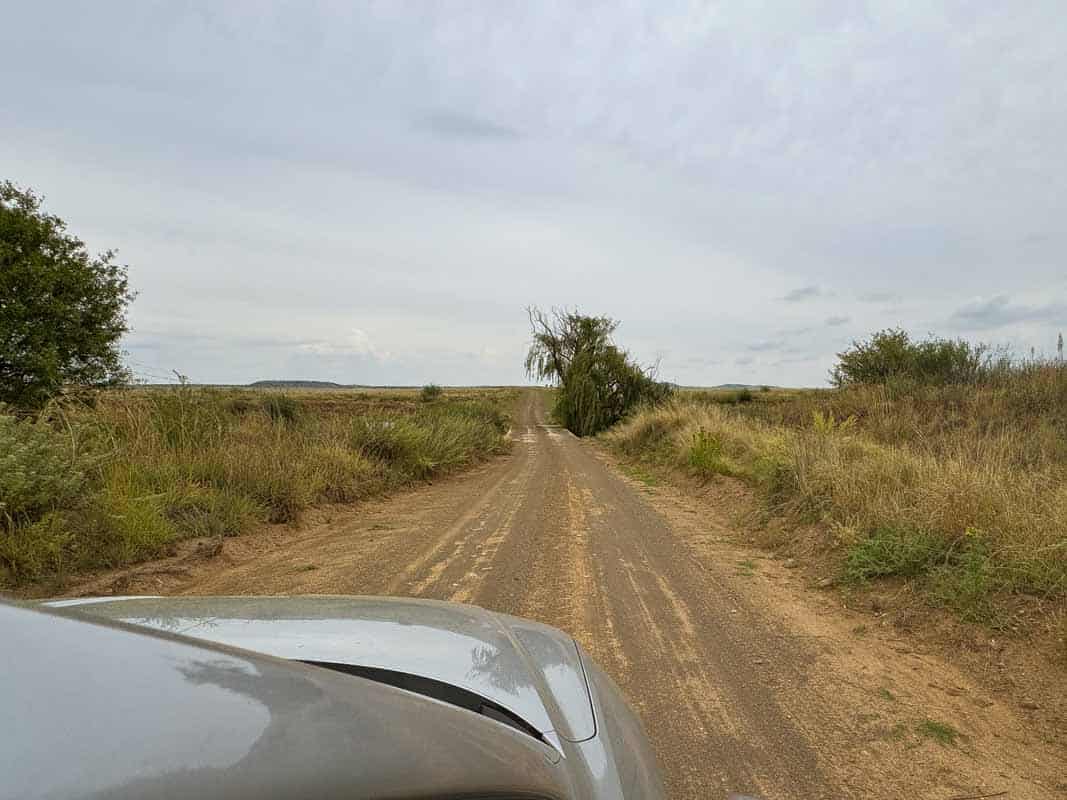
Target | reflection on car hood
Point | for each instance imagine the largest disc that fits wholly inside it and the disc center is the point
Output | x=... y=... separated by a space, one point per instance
x=530 y=669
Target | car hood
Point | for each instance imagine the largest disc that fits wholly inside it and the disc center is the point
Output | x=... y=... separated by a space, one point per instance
x=532 y=670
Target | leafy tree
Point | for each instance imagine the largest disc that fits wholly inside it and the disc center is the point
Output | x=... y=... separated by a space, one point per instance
x=598 y=382
x=891 y=354
x=62 y=311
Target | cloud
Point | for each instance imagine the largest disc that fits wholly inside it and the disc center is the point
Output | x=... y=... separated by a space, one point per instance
x=699 y=361
x=834 y=321
x=452 y=125
x=744 y=361
x=765 y=346
x=999 y=311
x=354 y=343
x=877 y=297
x=804 y=293
x=797 y=331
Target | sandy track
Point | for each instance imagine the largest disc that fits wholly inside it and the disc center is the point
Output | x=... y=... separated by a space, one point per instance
x=747 y=680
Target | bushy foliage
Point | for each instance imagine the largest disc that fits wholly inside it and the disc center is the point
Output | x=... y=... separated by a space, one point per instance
x=892 y=355
x=430 y=392
x=63 y=310
x=599 y=383
x=39 y=469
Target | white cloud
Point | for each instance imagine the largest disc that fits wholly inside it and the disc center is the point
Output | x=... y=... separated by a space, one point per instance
x=354 y=343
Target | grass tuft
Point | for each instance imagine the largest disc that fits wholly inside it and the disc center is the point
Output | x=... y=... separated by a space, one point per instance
x=940 y=732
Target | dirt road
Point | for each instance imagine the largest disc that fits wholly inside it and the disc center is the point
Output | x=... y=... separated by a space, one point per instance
x=747 y=679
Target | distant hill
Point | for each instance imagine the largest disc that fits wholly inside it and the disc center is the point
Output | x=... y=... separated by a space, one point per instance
x=296 y=385
x=735 y=386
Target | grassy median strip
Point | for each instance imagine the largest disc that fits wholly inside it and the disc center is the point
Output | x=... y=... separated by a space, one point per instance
x=961 y=487
x=84 y=488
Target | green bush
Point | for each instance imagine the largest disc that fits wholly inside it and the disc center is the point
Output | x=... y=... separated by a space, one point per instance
x=30 y=551
x=40 y=469
x=894 y=551
x=430 y=392
x=967 y=581
x=891 y=355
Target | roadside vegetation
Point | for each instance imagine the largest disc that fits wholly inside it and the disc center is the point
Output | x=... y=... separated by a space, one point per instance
x=933 y=461
x=597 y=383
x=85 y=487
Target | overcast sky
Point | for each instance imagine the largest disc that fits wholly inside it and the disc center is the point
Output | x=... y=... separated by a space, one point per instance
x=372 y=193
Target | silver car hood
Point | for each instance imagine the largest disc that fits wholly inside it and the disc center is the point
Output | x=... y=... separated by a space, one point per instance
x=532 y=670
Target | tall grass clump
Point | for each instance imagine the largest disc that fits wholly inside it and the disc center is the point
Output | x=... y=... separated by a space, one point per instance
x=91 y=487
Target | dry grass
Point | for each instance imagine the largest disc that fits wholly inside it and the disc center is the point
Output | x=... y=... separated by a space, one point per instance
x=85 y=488
x=962 y=487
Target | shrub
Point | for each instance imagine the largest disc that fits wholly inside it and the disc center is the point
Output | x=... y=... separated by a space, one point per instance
x=894 y=551
x=40 y=469
x=430 y=392
x=33 y=550
x=891 y=355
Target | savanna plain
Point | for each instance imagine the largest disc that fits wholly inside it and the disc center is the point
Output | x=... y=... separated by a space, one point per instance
x=850 y=592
